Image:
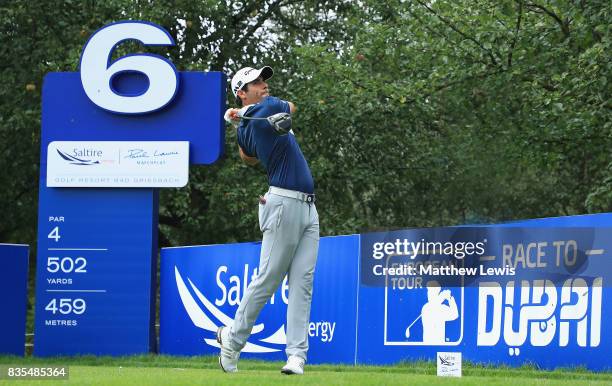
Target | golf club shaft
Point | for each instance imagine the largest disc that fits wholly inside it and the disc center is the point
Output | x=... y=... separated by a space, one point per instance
x=413 y=322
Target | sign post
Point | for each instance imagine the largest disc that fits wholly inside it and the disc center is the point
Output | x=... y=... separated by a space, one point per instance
x=111 y=135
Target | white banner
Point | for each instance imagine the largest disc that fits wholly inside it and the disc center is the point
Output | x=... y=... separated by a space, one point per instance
x=118 y=164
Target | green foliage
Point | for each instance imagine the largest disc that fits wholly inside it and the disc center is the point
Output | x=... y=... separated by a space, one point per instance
x=455 y=112
x=410 y=113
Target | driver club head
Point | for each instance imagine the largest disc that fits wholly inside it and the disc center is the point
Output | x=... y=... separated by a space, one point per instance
x=281 y=122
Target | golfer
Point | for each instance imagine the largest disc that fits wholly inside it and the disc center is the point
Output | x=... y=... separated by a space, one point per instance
x=287 y=217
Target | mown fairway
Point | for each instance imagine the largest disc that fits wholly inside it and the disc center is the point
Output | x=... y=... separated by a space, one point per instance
x=203 y=370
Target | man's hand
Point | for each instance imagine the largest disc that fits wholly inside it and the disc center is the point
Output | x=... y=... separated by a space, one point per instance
x=231 y=116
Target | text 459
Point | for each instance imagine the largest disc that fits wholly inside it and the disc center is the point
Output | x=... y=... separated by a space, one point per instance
x=66 y=306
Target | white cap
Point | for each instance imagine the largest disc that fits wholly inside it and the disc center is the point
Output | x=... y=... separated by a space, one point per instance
x=247 y=75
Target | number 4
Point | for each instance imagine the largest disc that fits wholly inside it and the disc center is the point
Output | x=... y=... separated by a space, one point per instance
x=54 y=234
x=52 y=306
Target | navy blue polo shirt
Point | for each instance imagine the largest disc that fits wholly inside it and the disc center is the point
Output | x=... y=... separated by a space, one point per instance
x=279 y=154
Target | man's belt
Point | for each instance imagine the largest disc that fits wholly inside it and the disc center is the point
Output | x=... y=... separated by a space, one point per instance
x=292 y=194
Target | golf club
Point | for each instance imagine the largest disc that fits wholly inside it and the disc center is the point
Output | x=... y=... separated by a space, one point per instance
x=413 y=322
x=281 y=122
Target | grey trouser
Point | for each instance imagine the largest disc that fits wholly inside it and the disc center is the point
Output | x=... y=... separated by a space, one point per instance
x=290 y=246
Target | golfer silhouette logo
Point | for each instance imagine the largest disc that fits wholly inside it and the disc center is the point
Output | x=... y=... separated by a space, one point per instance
x=439 y=309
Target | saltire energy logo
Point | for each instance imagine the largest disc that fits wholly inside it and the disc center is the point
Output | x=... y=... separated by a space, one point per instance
x=75 y=160
x=202 y=312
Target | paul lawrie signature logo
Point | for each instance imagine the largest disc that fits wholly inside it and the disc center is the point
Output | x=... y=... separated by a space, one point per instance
x=76 y=161
x=199 y=316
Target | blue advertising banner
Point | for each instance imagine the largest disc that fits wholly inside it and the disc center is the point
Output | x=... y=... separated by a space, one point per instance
x=526 y=292
x=13 y=298
x=530 y=292
x=201 y=288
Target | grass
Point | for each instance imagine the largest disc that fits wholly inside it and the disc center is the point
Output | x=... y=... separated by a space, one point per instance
x=169 y=370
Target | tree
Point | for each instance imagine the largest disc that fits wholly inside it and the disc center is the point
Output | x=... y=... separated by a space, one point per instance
x=453 y=112
x=413 y=113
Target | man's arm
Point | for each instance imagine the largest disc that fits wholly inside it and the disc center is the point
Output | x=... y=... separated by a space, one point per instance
x=247 y=160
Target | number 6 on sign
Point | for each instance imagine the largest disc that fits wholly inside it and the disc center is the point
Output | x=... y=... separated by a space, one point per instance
x=97 y=71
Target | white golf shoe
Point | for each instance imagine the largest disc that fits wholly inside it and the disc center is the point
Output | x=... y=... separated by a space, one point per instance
x=228 y=358
x=295 y=365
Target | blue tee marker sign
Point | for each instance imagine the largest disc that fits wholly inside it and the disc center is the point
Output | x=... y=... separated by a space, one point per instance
x=97 y=246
